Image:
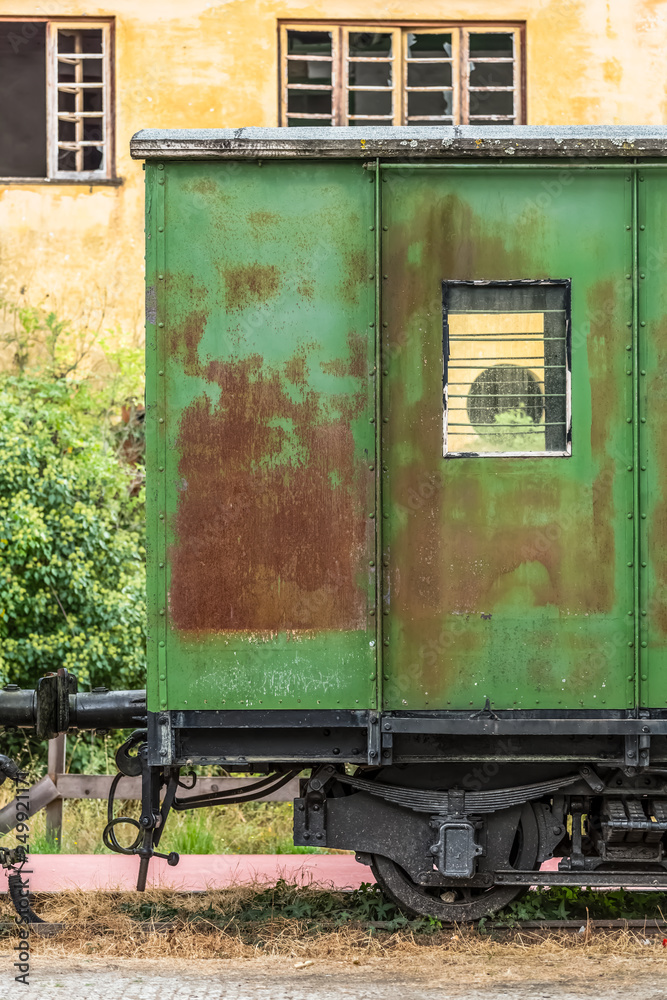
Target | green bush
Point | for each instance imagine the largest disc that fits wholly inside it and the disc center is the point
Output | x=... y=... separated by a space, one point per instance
x=71 y=540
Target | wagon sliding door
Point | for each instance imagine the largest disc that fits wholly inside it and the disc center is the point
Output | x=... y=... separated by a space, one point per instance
x=508 y=485
x=260 y=441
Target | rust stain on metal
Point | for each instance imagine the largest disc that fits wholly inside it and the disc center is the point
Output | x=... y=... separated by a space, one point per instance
x=657 y=393
x=607 y=405
x=355 y=364
x=270 y=529
x=250 y=284
x=449 y=558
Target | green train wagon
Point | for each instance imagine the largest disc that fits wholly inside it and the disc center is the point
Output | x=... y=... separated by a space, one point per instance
x=406 y=466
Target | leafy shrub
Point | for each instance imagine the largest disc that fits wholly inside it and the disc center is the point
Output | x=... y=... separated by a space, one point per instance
x=71 y=541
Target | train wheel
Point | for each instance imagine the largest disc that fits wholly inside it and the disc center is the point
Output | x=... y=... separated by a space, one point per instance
x=454 y=904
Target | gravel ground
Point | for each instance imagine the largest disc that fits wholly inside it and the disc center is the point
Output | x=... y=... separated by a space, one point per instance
x=120 y=979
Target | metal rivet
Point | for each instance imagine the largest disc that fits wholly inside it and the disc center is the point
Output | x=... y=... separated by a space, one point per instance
x=371 y=612
x=371 y=325
x=371 y=562
x=370 y=277
x=630 y=564
x=371 y=468
x=627 y=178
x=160 y=373
x=161 y=611
x=628 y=347
x=628 y=420
x=162 y=517
x=643 y=614
x=643 y=468
x=386 y=642
x=385 y=420
x=628 y=371
x=162 y=676
x=641 y=178
x=642 y=275
x=372 y=229
x=631 y=644
x=160 y=180
x=160 y=277
x=630 y=515
x=630 y=613
x=644 y=644
x=161 y=565
x=372 y=420
x=160 y=325
x=642 y=228
x=643 y=371
x=385 y=324
x=385 y=276
x=628 y=276
x=629 y=323
x=161 y=468
x=161 y=420
x=160 y=166
x=385 y=228
x=160 y=229
x=372 y=514
x=643 y=517
x=643 y=420
x=644 y=564
x=628 y=227
x=643 y=323
x=629 y=468
x=162 y=642
x=371 y=643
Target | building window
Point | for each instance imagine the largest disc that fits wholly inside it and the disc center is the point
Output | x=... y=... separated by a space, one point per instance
x=388 y=75
x=506 y=386
x=55 y=119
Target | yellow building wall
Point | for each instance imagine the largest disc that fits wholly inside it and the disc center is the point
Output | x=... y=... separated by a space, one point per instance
x=192 y=64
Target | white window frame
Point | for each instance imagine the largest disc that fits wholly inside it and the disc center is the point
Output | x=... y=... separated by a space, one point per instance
x=53 y=115
x=400 y=30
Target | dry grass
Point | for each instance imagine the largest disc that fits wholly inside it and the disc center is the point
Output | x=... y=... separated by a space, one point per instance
x=215 y=925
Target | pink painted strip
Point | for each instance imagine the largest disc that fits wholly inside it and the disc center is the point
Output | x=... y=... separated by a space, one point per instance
x=54 y=872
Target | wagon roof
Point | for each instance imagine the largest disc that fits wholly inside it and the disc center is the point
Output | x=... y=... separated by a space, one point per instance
x=395 y=142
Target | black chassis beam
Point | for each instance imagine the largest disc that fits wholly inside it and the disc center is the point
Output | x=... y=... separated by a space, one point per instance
x=237 y=738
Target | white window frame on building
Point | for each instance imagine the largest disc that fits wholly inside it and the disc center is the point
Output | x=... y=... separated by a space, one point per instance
x=58 y=57
x=402 y=60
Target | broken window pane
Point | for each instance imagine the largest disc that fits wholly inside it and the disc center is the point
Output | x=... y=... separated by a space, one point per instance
x=491 y=45
x=506 y=368
x=367 y=43
x=309 y=102
x=423 y=46
x=308 y=42
x=370 y=102
x=370 y=74
x=491 y=102
x=90 y=43
x=429 y=74
x=23 y=106
x=309 y=71
x=429 y=102
x=488 y=74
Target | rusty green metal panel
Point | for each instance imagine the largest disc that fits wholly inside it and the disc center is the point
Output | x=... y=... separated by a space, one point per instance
x=261 y=435
x=652 y=434
x=508 y=578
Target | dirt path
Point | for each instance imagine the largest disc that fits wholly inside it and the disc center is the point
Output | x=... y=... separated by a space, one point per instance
x=571 y=977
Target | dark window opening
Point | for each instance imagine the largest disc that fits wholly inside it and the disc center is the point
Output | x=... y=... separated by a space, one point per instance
x=23 y=106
